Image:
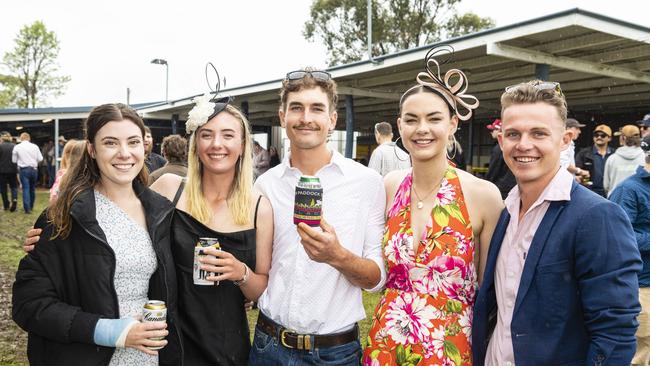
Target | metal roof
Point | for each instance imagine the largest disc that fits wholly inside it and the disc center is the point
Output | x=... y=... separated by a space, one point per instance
x=602 y=64
x=37 y=114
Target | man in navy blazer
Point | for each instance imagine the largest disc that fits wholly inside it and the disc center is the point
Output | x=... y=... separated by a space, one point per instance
x=560 y=285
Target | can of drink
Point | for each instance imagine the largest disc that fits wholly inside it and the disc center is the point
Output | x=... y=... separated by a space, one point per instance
x=200 y=275
x=154 y=311
x=308 y=202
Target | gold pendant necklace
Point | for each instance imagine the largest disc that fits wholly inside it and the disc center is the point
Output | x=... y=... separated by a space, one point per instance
x=420 y=204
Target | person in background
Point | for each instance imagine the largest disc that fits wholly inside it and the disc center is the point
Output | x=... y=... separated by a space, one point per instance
x=560 y=284
x=498 y=172
x=387 y=156
x=8 y=173
x=633 y=195
x=274 y=157
x=593 y=158
x=567 y=157
x=27 y=156
x=153 y=161
x=104 y=253
x=72 y=153
x=644 y=126
x=174 y=149
x=625 y=161
x=261 y=160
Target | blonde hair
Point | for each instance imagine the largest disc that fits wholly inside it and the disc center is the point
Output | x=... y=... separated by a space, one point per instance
x=529 y=93
x=72 y=152
x=240 y=193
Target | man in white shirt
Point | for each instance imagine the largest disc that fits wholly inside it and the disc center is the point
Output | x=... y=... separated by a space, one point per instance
x=387 y=156
x=309 y=311
x=27 y=156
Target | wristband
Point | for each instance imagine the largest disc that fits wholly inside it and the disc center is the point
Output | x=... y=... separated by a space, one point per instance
x=244 y=279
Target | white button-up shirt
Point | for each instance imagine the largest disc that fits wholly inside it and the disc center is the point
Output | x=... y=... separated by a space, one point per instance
x=512 y=258
x=311 y=297
x=26 y=154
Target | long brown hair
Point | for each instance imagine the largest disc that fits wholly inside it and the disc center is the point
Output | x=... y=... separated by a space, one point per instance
x=85 y=175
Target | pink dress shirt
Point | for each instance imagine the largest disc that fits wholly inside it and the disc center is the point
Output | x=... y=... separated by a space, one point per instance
x=512 y=257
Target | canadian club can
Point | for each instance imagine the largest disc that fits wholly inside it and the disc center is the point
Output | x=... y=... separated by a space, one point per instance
x=200 y=275
x=308 y=204
x=154 y=311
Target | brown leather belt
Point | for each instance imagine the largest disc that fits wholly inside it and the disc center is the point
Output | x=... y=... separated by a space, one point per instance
x=293 y=340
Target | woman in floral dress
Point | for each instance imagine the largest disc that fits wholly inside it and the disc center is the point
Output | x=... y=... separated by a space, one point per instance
x=438 y=228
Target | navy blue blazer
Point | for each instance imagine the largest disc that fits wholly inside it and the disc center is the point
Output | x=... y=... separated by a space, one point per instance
x=578 y=298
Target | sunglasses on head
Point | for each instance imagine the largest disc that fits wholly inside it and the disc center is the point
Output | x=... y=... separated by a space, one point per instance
x=316 y=74
x=539 y=85
x=600 y=135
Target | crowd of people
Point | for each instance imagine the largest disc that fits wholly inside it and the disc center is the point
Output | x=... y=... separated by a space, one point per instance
x=533 y=267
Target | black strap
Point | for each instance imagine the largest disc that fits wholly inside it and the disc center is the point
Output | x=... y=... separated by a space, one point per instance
x=257 y=205
x=179 y=191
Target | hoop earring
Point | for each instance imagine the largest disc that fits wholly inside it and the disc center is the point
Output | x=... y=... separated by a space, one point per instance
x=452 y=143
x=395 y=147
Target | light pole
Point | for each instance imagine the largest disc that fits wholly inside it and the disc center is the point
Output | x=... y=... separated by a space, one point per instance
x=159 y=61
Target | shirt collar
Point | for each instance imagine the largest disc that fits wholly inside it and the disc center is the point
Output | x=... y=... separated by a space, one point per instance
x=559 y=189
x=644 y=174
x=337 y=162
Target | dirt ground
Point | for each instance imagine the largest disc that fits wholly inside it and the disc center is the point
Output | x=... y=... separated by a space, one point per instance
x=13 y=340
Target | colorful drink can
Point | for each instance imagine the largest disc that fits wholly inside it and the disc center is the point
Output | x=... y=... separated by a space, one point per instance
x=154 y=311
x=308 y=203
x=200 y=275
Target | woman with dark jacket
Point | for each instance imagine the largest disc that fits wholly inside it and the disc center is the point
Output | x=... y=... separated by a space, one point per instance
x=104 y=252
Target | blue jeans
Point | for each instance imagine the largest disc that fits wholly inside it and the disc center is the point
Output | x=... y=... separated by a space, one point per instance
x=28 y=178
x=267 y=350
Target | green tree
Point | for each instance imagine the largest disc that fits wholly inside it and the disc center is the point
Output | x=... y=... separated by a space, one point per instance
x=396 y=25
x=8 y=91
x=32 y=67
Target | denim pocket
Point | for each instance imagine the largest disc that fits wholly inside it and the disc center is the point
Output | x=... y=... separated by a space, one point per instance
x=262 y=341
x=345 y=354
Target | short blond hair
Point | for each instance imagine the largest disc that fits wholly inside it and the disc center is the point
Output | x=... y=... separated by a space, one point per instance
x=530 y=93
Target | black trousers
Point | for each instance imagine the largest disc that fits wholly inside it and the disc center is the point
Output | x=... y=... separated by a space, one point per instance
x=8 y=179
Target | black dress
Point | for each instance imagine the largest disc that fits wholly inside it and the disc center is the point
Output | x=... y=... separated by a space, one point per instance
x=213 y=319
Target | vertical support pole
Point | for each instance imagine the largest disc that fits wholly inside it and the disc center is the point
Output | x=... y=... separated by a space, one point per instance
x=166 y=82
x=174 y=123
x=244 y=108
x=56 y=145
x=369 y=25
x=349 y=125
x=542 y=71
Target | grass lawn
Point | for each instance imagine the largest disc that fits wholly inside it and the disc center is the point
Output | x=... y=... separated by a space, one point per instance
x=12 y=231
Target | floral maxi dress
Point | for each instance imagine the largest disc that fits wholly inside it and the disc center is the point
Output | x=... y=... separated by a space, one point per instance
x=425 y=314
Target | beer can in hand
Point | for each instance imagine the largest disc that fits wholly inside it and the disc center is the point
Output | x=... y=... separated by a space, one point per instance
x=154 y=311
x=200 y=275
x=308 y=202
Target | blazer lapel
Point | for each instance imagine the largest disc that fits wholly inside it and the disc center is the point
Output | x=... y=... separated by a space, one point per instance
x=536 y=248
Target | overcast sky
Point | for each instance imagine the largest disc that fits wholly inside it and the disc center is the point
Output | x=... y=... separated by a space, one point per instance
x=107 y=46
